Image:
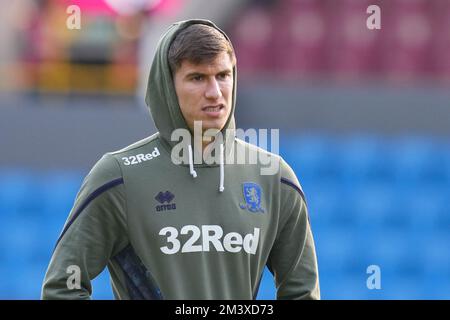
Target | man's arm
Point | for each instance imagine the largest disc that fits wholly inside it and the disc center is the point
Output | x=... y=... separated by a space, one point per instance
x=293 y=260
x=94 y=232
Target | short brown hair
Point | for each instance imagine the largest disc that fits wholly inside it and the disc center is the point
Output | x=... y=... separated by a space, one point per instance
x=198 y=43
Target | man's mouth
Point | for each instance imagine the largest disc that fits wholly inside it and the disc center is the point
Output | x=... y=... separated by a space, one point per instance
x=215 y=111
x=213 y=108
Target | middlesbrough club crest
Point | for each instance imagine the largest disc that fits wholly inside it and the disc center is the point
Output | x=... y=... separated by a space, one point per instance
x=252 y=196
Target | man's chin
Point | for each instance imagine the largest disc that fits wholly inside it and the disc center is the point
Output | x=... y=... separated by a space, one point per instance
x=208 y=125
x=205 y=125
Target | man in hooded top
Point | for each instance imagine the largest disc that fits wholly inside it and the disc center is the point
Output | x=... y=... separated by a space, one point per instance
x=183 y=220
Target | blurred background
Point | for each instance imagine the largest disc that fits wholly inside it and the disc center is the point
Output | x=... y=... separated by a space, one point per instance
x=364 y=119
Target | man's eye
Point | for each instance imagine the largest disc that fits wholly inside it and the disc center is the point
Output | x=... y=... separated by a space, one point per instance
x=223 y=76
x=197 y=78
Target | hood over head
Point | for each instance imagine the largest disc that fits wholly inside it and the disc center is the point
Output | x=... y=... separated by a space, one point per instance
x=161 y=97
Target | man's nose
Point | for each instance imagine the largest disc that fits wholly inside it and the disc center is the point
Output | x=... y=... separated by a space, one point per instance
x=213 y=90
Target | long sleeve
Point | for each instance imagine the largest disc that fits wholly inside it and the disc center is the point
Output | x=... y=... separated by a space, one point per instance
x=293 y=260
x=93 y=233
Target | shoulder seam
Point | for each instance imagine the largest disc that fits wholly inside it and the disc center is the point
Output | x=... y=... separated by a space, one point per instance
x=151 y=139
x=97 y=192
x=125 y=189
x=258 y=148
x=294 y=186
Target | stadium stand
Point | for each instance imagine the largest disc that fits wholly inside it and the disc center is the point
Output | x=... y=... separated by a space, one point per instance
x=326 y=38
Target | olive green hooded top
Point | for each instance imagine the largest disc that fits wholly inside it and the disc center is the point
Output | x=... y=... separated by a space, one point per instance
x=170 y=230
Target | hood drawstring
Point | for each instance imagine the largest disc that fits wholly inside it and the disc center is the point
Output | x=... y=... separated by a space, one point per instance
x=222 y=176
x=222 y=167
x=191 y=163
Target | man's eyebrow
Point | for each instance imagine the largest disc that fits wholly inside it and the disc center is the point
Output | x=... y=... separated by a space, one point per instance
x=196 y=74
x=225 y=71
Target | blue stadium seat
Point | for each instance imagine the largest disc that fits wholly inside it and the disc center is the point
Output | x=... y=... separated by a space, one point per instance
x=435 y=254
x=59 y=190
x=44 y=245
x=443 y=213
x=7 y=284
x=18 y=241
x=420 y=161
x=101 y=286
x=21 y=280
x=445 y=153
x=436 y=286
x=396 y=253
x=30 y=281
x=428 y=208
x=401 y=287
x=373 y=204
x=267 y=290
x=336 y=250
x=364 y=158
x=329 y=204
x=19 y=193
x=25 y=241
x=343 y=287
x=311 y=157
x=323 y=203
x=436 y=290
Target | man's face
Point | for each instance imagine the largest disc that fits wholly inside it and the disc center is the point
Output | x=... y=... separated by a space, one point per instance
x=205 y=91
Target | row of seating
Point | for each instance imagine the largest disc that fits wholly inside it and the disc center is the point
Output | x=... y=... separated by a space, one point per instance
x=367 y=158
x=317 y=37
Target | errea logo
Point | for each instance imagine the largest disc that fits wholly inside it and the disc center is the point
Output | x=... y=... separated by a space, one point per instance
x=128 y=161
x=163 y=197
